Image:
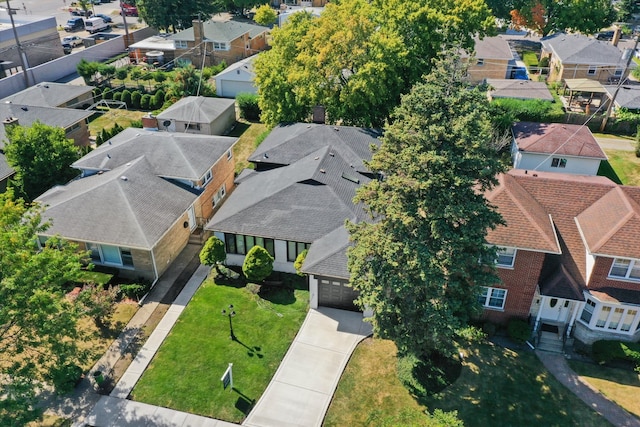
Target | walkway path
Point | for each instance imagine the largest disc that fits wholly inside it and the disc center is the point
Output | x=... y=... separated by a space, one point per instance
x=557 y=365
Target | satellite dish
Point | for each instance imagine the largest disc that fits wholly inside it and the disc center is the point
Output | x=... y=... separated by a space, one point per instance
x=166 y=123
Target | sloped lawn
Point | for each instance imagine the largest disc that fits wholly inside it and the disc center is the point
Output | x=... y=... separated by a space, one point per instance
x=185 y=373
x=496 y=387
x=625 y=166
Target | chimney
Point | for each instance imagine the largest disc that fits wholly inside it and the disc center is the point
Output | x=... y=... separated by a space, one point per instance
x=616 y=36
x=318 y=114
x=10 y=121
x=198 y=31
x=149 y=122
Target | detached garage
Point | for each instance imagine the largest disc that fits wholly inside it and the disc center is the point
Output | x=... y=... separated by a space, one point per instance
x=235 y=79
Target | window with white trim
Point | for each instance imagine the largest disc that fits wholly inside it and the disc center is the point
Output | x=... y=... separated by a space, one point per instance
x=181 y=44
x=587 y=312
x=625 y=269
x=219 y=195
x=220 y=46
x=628 y=320
x=558 y=162
x=618 y=72
x=110 y=255
x=294 y=249
x=592 y=70
x=492 y=298
x=207 y=177
x=505 y=257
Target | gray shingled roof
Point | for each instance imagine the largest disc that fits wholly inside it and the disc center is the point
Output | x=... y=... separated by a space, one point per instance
x=301 y=202
x=519 y=89
x=221 y=31
x=492 y=48
x=5 y=170
x=128 y=206
x=27 y=115
x=579 y=49
x=628 y=96
x=47 y=94
x=328 y=255
x=288 y=143
x=245 y=64
x=171 y=155
x=196 y=109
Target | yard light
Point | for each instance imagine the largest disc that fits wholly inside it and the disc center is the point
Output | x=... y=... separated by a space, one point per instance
x=230 y=314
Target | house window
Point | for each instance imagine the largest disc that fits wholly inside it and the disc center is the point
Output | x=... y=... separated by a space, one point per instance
x=492 y=298
x=192 y=126
x=229 y=155
x=294 y=249
x=604 y=315
x=73 y=127
x=181 y=44
x=587 y=312
x=505 y=257
x=557 y=162
x=110 y=255
x=219 y=195
x=615 y=318
x=480 y=62
x=625 y=269
x=207 y=177
x=592 y=70
x=240 y=244
x=618 y=72
x=220 y=46
x=628 y=320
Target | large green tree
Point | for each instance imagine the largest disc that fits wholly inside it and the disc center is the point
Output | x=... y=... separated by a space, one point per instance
x=174 y=15
x=419 y=265
x=41 y=156
x=359 y=56
x=37 y=324
x=549 y=16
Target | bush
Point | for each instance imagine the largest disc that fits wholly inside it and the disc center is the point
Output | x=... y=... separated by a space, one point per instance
x=145 y=101
x=605 y=351
x=136 y=96
x=519 y=330
x=65 y=377
x=489 y=329
x=134 y=290
x=299 y=261
x=213 y=252
x=534 y=110
x=107 y=93
x=126 y=97
x=258 y=264
x=135 y=124
x=248 y=106
x=472 y=334
x=158 y=99
x=638 y=142
x=117 y=96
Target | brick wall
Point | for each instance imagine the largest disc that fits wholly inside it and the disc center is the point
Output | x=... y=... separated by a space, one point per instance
x=521 y=282
x=599 y=278
x=223 y=173
x=169 y=247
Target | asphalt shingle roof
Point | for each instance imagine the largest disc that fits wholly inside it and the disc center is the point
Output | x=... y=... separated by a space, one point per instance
x=47 y=94
x=557 y=138
x=197 y=109
x=519 y=89
x=221 y=31
x=628 y=96
x=579 y=49
x=328 y=255
x=128 y=206
x=171 y=155
x=492 y=48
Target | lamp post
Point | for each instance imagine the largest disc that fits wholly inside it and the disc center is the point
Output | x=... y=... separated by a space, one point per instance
x=230 y=314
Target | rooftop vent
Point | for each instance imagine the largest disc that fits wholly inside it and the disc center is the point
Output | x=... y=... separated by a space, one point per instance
x=323 y=171
x=124 y=178
x=350 y=178
x=24 y=108
x=332 y=154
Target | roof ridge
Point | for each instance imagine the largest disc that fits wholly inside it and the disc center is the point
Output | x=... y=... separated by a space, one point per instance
x=131 y=210
x=624 y=219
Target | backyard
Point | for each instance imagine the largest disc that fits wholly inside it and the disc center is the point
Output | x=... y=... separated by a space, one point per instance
x=496 y=387
x=622 y=167
x=185 y=373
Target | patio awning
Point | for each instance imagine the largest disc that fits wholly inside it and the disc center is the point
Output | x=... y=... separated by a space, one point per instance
x=584 y=85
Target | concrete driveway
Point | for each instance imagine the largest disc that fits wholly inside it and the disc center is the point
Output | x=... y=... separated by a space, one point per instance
x=301 y=390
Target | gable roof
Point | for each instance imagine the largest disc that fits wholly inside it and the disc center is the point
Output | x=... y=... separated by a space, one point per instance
x=128 y=207
x=5 y=170
x=328 y=255
x=519 y=89
x=244 y=65
x=288 y=143
x=628 y=96
x=197 y=109
x=171 y=155
x=48 y=94
x=557 y=138
x=221 y=31
x=611 y=226
x=579 y=49
x=492 y=48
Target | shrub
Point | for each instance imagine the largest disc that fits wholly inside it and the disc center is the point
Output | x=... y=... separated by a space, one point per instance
x=544 y=62
x=65 y=377
x=134 y=290
x=107 y=93
x=638 y=142
x=472 y=334
x=136 y=96
x=213 y=252
x=145 y=101
x=534 y=110
x=258 y=264
x=117 y=96
x=605 y=351
x=299 y=261
x=489 y=329
x=135 y=124
x=248 y=106
x=122 y=73
x=519 y=330
x=126 y=97
x=98 y=302
x=158 y=99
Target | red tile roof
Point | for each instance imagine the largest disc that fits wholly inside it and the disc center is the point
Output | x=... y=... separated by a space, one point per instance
x=557 y=138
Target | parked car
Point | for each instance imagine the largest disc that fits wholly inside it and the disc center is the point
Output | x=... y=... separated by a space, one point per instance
x=107 y=19
x=128 y=9
x=80 y=12
x=605 y=35
x=74 y=24
x=73 y=41
x=66 y=48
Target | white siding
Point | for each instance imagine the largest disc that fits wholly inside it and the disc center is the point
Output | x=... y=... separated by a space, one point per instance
x=542 y=162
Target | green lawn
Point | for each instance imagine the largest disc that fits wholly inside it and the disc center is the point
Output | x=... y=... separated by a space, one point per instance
x=623 y=167
x=621 y=386
x=530 y=58
x=497 y=387
x=248 y=134
x=185 y=374
x=111 y=117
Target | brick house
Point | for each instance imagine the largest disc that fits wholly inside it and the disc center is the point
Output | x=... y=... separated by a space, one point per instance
x=141 y=197
x=199 y=115
x=492 y=59
x=568 y=255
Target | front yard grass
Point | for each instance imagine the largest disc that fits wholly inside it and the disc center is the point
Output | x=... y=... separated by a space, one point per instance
x=625 y=166
x=497 y=387
x=619 y=385
x=185 y=373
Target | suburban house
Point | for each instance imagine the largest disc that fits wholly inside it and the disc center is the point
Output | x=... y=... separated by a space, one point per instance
x=141 y=196
x=199 y=115
x=236 y=78
x=628 y=97
x=518 y=89
x=492 y=59
x=298 y=197
x=568 y=255
x=574 y=56
x=48 y=94
x=555 y=147
x=228 y=41
x=73 y=121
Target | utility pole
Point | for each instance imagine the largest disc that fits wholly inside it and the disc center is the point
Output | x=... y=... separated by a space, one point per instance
x=126 y=28
x=23 y=56
x=615 y=93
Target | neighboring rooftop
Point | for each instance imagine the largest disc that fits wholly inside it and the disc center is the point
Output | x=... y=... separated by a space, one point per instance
x=221 y=31
x=557 y=138
x=628 y=96
x=48 y=94
x=579 y=49
x=196 y=109
x=492 y=48
x=518 y=89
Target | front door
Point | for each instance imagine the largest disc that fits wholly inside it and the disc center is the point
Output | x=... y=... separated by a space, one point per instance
x=555 y=309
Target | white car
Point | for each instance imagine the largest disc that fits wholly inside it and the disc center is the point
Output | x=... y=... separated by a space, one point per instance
x=72 y=41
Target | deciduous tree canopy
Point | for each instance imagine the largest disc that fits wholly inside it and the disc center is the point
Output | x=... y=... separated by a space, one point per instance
x=418 y=267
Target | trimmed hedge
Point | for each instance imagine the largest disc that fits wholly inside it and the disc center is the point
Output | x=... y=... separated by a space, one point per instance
x=534 y=110
x=519 y=330
x=605 y=351
x=248 y=106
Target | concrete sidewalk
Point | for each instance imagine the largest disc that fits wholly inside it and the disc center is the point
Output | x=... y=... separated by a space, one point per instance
x=559 y=368
x=301 y=390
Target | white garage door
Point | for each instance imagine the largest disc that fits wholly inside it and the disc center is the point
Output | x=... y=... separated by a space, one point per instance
x=231 y=88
